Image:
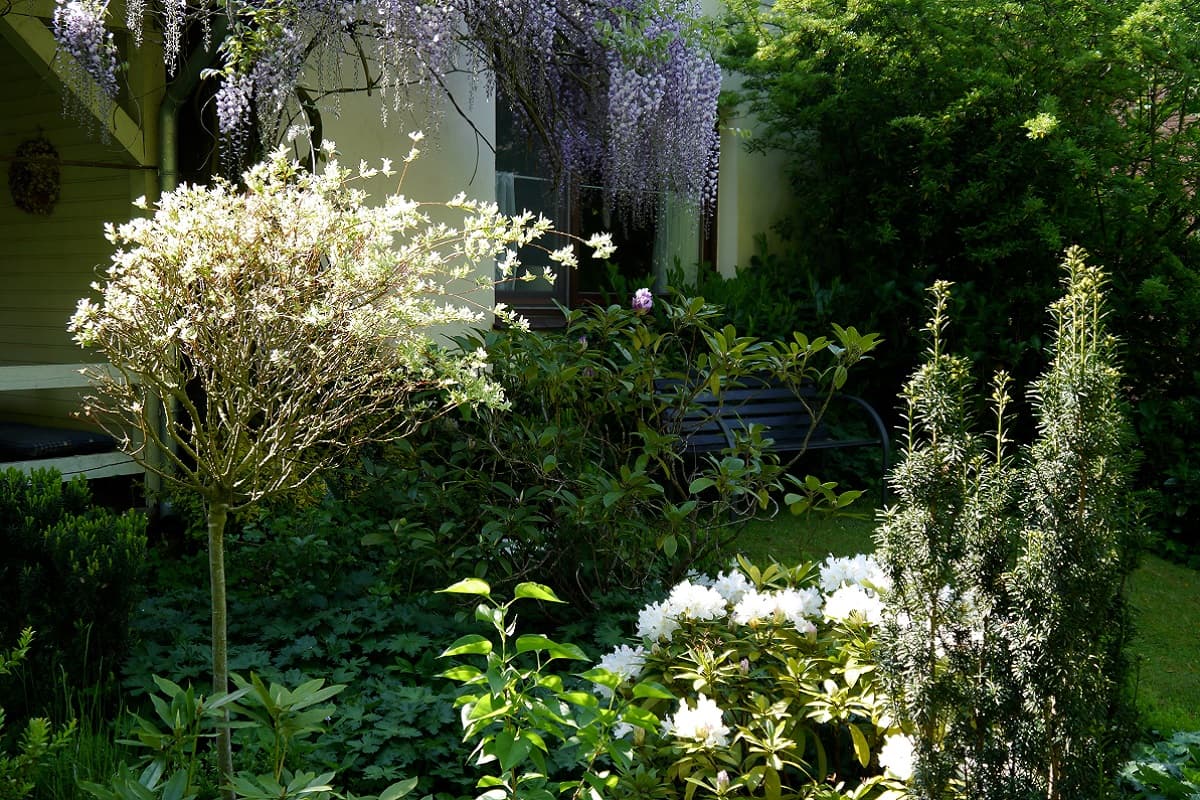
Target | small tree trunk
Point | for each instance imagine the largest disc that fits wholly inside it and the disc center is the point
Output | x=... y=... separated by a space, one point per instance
x=218 y=513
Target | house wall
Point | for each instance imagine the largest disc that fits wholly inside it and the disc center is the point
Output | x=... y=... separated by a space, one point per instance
x=453 y=158
x=48 y=262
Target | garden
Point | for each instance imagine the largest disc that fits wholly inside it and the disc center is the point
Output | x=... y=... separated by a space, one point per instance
x=495 y=565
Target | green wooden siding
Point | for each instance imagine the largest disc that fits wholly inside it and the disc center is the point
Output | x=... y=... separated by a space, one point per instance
x=48 y=262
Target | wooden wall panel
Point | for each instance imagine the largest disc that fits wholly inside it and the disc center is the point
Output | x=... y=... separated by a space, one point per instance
x=48 y=262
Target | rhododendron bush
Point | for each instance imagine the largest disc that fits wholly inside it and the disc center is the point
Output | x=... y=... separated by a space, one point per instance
x=755 y=683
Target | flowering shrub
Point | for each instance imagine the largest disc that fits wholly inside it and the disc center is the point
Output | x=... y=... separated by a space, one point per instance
x=772 y=681
x=756 y=683
x=258 y=334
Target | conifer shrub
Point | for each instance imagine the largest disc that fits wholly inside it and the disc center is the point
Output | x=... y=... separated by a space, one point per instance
x=1004 y=650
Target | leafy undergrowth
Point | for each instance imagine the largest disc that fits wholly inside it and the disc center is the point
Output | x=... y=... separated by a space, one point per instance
x=1165 y=769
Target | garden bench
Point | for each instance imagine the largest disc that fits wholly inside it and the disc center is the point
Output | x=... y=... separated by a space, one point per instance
x=72 y=452
x=712 y=423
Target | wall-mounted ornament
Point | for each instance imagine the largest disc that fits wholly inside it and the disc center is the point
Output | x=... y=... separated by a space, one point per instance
x=34 y=177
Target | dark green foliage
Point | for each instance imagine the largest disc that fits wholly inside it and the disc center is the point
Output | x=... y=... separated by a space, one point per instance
x=579 y=483
x=313 y=603
x=971 y=140
x=1169 y=768
x=772 y=296
x=944 y=545
x=25 y=757
x=70 y=570
x=1006 y=656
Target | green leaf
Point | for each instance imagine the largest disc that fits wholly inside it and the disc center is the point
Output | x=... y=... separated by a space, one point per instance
x=532 y=642
x=175 y=788
x=469 y=586
x=398 y=789
x=463 y=673
x=670 y=545
x=641 y=718
x=584 y=699
x=535 y=591
x=471 y=644
x=652 y=690
x=700 y=484
x=602 y=677
x=861 y=750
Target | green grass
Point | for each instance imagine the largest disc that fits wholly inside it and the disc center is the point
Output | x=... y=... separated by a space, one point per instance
x=1165 y=598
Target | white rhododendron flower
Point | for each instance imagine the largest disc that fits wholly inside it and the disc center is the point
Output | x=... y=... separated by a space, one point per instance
x=795 y=606
x=798 y=605
x=862 y=570
x=732 y=585
x=626 y=662
x=692 y=601
x=703 y=724
x=896 y=756
x=656 y=623
x=854 y=600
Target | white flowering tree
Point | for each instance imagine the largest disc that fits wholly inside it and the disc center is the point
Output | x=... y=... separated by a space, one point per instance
x=621 y=92
x=278 y=327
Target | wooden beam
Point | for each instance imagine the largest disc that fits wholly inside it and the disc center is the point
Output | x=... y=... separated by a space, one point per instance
x=36 y=44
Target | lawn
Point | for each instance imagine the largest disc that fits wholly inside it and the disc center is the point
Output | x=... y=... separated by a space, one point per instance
x=1165 y=598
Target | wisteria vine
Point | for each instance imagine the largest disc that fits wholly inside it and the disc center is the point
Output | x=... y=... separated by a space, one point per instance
x=622 y=92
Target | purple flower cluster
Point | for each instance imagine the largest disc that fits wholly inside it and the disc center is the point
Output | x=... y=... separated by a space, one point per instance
x=79 y=29
x=623 y=91
x=643 y=301
x=630 y=96
x=235 y=103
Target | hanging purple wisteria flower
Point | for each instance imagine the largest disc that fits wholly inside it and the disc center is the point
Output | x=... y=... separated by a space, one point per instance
x=79 y=29
x=622 y=93
x=643 y=301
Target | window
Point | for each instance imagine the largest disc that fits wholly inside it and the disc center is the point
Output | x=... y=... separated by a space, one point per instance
x=646 y=248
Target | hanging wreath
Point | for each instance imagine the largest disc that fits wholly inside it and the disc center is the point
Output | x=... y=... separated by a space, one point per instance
x=34 y=179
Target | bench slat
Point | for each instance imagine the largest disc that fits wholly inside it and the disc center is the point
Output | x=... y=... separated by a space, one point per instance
x=96 y=465
x=710 y=423
x=35 y=377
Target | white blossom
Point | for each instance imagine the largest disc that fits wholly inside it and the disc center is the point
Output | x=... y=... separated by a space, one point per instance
x=862 y=570
x=794 y=606
x=656 y=623
x=692 y=601
x=732 y=585
x=702 y=724
x=896 y=756
x=625 y=662
x=849 y=601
